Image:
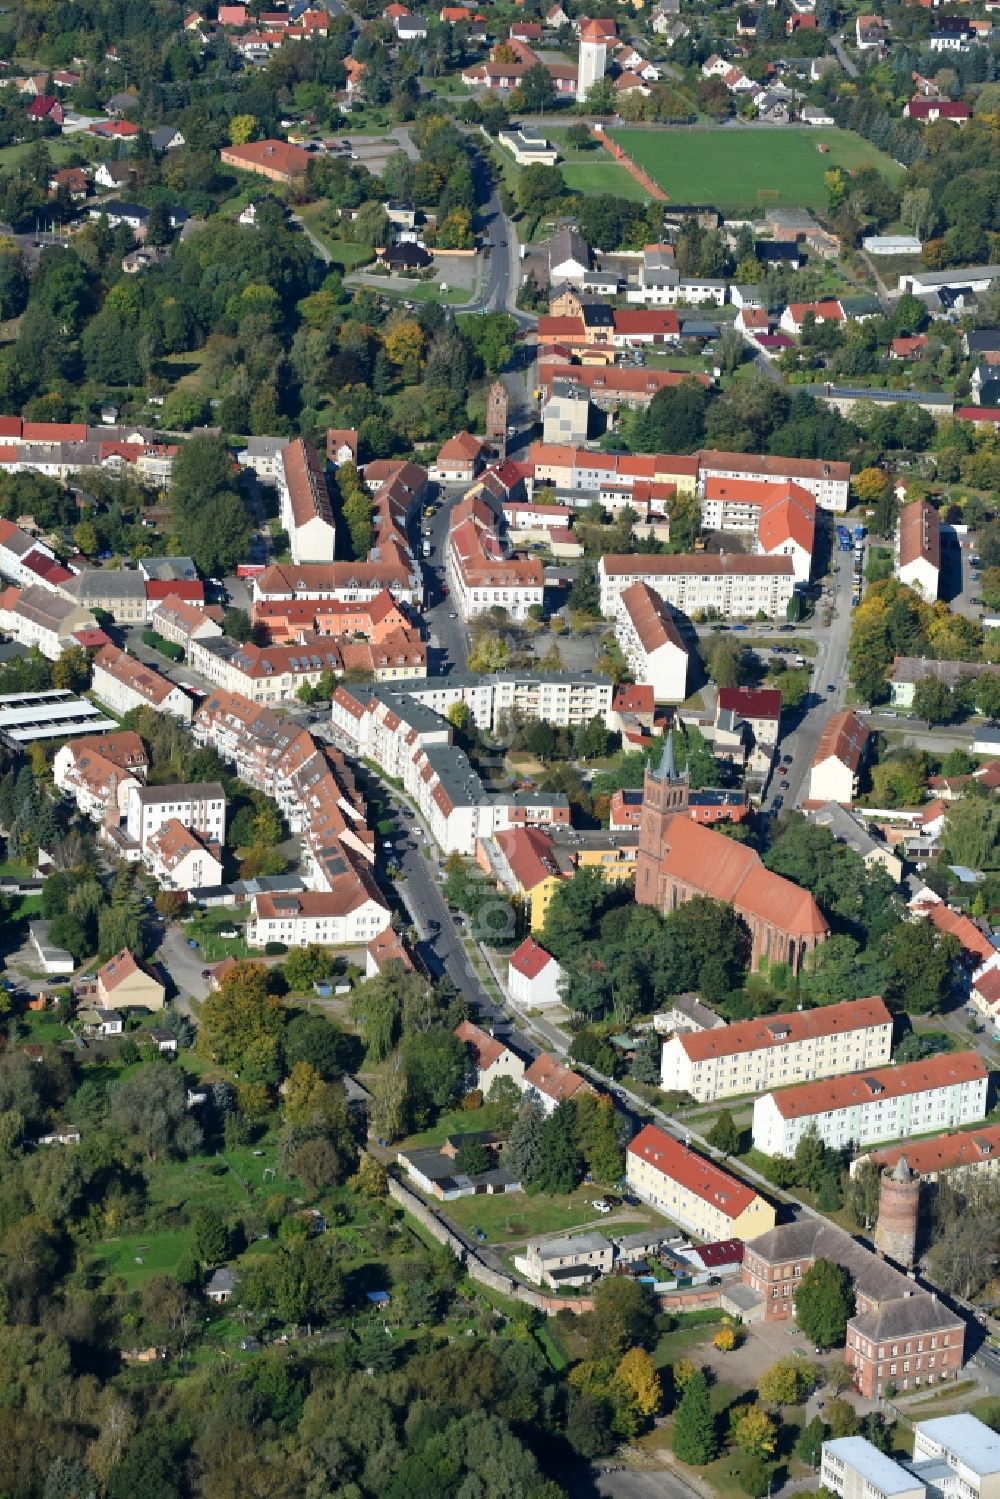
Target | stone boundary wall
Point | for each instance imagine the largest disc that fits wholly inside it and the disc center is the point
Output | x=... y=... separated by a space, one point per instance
x=634 y=170
x=477 y=1268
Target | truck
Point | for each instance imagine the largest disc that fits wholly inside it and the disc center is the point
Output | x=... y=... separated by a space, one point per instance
x=859 y=533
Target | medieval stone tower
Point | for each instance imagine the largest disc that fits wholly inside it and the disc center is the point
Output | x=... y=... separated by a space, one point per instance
x=898 y=1213
x=496 y=417
x=665 y=793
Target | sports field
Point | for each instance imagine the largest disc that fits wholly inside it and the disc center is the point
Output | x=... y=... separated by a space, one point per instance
x=596 y=175
x=745 y=168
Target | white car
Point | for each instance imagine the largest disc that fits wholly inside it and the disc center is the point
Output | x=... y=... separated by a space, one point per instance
x=600 y=1206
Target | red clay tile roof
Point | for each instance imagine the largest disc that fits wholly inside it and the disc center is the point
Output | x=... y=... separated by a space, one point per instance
x=485 y=1048
x=529 y=959
x=962 y=927
x=553 y=1079
x=692 y=1171
x=749 y=702
x=919 y=534
x=785 y=1029
x=651 y=617
x=844 y=738
x=879 y=1082
x=944 y=1152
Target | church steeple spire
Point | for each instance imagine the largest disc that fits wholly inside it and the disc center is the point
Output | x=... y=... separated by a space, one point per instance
x=668 y=765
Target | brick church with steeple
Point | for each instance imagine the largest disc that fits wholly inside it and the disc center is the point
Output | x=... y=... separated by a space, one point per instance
x=679 y=859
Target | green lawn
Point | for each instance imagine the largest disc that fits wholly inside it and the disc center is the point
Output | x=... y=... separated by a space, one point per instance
x=158 y=1253
x=747 y=168
x=59 y=151
x=424 y=291
x=603 y=177
x=517 y=1216
x=346 y=254
x=205 y=929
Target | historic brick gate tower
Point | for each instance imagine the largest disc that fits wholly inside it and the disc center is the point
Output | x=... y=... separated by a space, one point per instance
x=496 y=418
x=898 y=1213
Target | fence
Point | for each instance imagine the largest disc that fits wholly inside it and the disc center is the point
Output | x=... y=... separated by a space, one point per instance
x=622 y=157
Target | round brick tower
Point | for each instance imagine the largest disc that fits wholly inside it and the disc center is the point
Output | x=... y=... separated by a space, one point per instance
x=898 y=1213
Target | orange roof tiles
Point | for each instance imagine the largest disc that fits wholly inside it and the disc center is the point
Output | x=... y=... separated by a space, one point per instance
x=528 y=852
x=919 y=534
x=879 y=1082
x=844 y=738
x=692 y=1171
x=651 y=617
x=714 y=865
x=962 y=927
x=550 y=1077
x=944 y=1152
x=785 y=1029
x=484 y=1048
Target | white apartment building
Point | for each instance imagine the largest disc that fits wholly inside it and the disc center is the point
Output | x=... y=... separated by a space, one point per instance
x=651 y=643
x=99 y=787
x=533 y=976
x=853 y=1468
x=481 y=574
x=779 y=516
x=967 y=1447
x=918 y=548
x=829 y=481
x=692 y=1191
x=734 y=585
x=181 y=860
x=37 y=617
x=200 y=806
x=306 y=511
x=836 y=766
x=775 y=1050
x=865 y=1108
x=563 y=698
x=318 y=916
x=123 y=683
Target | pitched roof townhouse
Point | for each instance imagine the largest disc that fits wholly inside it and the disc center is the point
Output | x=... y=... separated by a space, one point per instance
x=488 y=1057
x=123 y=683
x=837 y=763
x=918 y=548
x=777 y=1050
x=551 y=1082
x=533 y=976
x=651 y=642
x=693 y=1192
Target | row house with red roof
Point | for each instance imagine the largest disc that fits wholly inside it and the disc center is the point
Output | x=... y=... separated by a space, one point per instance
x=305 y=505
x=122 y=683
x=840 y=755
x=877 y=1104
x=692 y=1191
x=534 y=977
x=774 y=1051
x=37 y=617
x=481 y=573
x=780 y=517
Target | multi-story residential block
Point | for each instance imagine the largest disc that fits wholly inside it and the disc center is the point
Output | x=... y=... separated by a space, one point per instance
x=37 y=617
x=98 y=772
x=918 y=548
x=275 y=673
x=306 y=509
x=200 y=806
x=651 y=643
x=732 y=584
x=350 y=914
x=612 y=386
x=181 y=859
x=563 y=698
x=352 y=582
x=976 y=1151
x=692 y=1191
x=908 y=1343
x=580 y=471
x=120 y=593
x=777 y=1050
x=488 y=1057
x=123 y=683
x=830 y=482
x=522 y=861
x=481 y=574
x=839 y=757
x=779 y=516
x=887 y=1103
x=853 y=1468
x=907 y=671
x=286 y=620
x=963 y=1444
x=15 y=546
